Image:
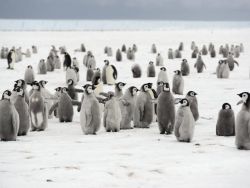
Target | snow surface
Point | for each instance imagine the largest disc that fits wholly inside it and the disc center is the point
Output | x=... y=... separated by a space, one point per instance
x=62 y=156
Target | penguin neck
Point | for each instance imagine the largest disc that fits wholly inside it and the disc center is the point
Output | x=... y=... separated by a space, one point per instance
x=246 y=106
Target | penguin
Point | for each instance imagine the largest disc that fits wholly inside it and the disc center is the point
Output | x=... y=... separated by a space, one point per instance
x=106 y=49
x=23 y=112
x=134 y=48
x=165 y=110
x=124 y=48
x=151 y=69
x=222 y=70
x=220 y=49
x=237 y=52
x=34 y=49
x=90 y=116
x=159 y=60
x=57 y=62
x=11 y=59
x=50 y=64
x=57 y=95
x=153 y=49
x=109 y=73
x=28 y=53
x=42 y=69
x=194 y=54
x=241 y=47
x=37 y=109
x=9 y=118
x=90 y=73
x=29 y=75
x=64 y=106
x=199 y=65
x=109 y=52
x=143 y=115
x=72 y=91
x=230 y=60
x=193 y=103
x=185 y=70
x=112 y=114
x=130 y=54
x=225 y=52
x=193 y=45
x=71 y=74
x=225 y=125
x=178 y=83
x=212 y=53
x=104 y=78
x=184 y=123
x=204 y=50
x=118 y=55
x=118 y=89
x=170 y=53
x=136 y=70
x=127 y=106
x=75 y=62
x=86 y=58
x=242 y=125
x=83 y=49
x=76 y=69
x=97 y=83
x=97 y=75
x=91 y=62
x=177 y=54
x=181 y=47
x=67 y=60
x=159 y=87
x=21 y=83
x=162 y=75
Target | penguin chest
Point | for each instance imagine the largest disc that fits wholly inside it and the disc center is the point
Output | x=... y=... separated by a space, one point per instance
x=109 y=75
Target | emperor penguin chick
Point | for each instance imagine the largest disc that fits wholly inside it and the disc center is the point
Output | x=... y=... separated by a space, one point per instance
x=112 y=114
x=225 y=125
x=184 y=123
x=151 y=69
x=178 y=83
x=193 y=103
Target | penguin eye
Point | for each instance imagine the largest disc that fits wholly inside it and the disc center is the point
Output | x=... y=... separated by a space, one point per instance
x=244 y=95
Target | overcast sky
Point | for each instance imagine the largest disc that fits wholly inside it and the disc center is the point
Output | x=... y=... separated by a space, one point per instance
x=127 y=9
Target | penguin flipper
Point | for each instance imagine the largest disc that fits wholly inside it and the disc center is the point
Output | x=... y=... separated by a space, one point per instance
x=236 y=63
x=115 y=72
x=53 y=108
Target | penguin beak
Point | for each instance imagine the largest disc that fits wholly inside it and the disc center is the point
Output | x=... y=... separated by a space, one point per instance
x=240 y=102
x=177 y=101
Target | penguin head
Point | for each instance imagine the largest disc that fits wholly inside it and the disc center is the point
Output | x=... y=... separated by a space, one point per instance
x=133 y=90
x=184 y=102
x=36 y=86
x=20 y=91
x=226 y=106
x=146 y=87
x=163 y=69
x=110 y=95
x=161 y=83
x=89 y=88
x=151 y=63
x=58 y=89
x=97 y=70
x=29 y=67
x=42 y=60
x=70 y=82
x=120 y=85
x=191 y=94
x=106 y=62
x=166 y=87
x=245 y=98
x=177 y=72
x=64 y=90
x=220 y=62
x=6 y=95
x=184 y=60
x=20 y=83
x=43 y=83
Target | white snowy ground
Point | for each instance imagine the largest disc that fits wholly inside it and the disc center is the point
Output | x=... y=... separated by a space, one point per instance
x=62 y=156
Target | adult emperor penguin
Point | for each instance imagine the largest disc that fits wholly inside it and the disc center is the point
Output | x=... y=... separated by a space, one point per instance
x=162 y=75
x=127 y=106
x=109 y=73
x=165 y=110
x=118 y=55
x=225 y=125
x=11 y=59
x=199 y=65
x=37 y=109
x=90 y=116
x=9 y=118
x=178 y=83
x=222 y=70
x=64 y=106
x=184 y=122
x=112 y=114
x=153 y=49
x=242 y=135
x=29 y=75
x=143 y=115
x=159 y=60
x=23 y=111
x=151 y=69
x=72 y=91
x=42 y=67
x=136 y=70
x=230 y=60
x=185 y=70
x=118 y=89
x=193 y=103
x=67 y=60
